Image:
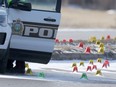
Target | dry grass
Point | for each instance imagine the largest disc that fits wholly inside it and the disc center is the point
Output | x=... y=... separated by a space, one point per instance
x=81 y=18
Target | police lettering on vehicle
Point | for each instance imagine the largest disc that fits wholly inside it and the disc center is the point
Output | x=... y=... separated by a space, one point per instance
x=31 y=31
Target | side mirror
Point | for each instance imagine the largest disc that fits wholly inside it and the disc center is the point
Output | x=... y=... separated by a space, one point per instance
x=21 y=5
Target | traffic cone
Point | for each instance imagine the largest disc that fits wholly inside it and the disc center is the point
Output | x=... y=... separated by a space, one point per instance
x=80 y=45
x=102 y=38
x=29 y=71
x=89 y=68
x=98 y=42
x=42 y=75
x=99 y=60
x=101 y=50
x=81 y=64
x=98 y=72
x=74 y=64
x=91 y=61
x=75 y=69
x=57 y=41
x=27 y=65
x=108 y=37
x=70 y=40
x=94 y=67
x=88 y=50
x=84 y=76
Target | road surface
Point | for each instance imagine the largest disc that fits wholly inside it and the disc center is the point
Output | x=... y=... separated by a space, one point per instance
x=36 y=83
x=57 y=78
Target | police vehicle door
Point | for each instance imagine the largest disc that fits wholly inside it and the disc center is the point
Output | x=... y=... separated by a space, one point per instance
x=34 y=31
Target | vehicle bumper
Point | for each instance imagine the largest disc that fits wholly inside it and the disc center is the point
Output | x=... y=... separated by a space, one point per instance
x=30 y=56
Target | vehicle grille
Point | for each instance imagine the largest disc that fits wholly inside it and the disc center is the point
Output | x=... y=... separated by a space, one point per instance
x=2 y=38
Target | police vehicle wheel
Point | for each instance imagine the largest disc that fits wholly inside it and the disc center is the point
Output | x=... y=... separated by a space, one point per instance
x=3 y=62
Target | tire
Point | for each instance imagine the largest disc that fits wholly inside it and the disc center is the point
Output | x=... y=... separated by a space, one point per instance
x=3 y=62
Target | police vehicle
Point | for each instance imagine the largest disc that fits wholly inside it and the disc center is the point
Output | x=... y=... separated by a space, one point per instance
x=28 y=29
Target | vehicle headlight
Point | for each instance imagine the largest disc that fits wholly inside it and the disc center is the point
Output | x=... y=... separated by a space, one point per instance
x=3 y=20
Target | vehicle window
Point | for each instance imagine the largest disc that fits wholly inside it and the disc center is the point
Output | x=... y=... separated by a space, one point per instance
x=49 y=5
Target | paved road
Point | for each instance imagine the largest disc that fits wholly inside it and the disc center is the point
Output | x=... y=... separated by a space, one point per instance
x=56 y=78
x=38 y=83
x=64 y=79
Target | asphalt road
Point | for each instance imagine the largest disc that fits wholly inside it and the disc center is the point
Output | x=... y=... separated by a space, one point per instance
x=57 y=78
x=61 y=79
x=38 y=83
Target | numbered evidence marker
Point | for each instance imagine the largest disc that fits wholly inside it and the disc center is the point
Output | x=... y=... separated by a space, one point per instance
x=70 y=40
x=99 y=60
x=101 y=50
x=74 y=64
x=84 y=75
x=102 y=38
x=94 y=67
x=41 y=74
x=89 y=68
x=27 y=65
x=93 y=39
x=29 y=71
x=57 y=41
x=91 y=61
x=75 y=68
x=81 y=64
x=98 y=42
x=81 y=45
x=106 y=64
x=88 y=50
x=98 y=72
x=101 y=45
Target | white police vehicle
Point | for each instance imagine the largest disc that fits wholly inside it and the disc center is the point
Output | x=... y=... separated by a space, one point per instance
x=28 y=30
